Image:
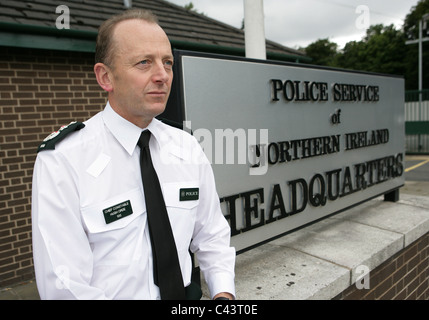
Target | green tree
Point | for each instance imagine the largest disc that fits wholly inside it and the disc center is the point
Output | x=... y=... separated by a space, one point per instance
x=322 y=52
x=411 y=30
x=190 y=7
x=381 y=50
x=412 y=19
x=351 y=57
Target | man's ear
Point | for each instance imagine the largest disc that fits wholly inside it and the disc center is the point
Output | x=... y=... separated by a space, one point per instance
x=104 y=76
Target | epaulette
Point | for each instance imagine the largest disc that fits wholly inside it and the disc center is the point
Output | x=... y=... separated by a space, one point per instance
x=55 y=137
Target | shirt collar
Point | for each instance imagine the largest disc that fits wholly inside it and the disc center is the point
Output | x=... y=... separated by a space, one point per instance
x=126 y=132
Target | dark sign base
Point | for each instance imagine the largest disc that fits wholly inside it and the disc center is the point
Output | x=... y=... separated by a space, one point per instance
x=392 y=196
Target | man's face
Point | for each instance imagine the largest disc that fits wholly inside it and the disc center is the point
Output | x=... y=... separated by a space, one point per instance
x=142 y=71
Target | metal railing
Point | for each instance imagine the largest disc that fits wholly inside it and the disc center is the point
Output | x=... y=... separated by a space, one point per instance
x=417 y=121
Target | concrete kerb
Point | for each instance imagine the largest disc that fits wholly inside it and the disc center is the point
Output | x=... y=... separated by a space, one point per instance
x=321 y=261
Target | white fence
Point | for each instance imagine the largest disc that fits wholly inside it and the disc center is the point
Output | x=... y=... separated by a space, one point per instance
x=418 y=141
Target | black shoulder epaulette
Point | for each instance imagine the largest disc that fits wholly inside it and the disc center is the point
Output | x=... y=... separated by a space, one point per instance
x=55 y=137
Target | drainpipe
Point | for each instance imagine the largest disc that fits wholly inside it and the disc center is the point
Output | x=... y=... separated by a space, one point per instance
x=254 y=30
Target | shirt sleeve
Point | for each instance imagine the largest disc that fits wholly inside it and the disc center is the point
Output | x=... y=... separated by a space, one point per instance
x=211 y=238
x=62 y=254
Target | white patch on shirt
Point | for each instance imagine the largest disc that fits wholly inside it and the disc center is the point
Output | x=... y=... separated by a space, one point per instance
x=97 y=167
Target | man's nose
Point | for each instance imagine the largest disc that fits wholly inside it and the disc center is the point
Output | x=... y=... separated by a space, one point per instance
x=160 y=74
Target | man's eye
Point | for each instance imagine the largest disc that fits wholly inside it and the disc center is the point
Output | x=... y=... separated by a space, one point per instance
x=168 y=64
x=144 y=62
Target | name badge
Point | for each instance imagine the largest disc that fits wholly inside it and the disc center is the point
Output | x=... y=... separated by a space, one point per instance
x=189 y=194
x=118 y=211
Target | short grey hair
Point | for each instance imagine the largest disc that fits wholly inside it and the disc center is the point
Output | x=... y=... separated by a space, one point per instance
x=105 y=45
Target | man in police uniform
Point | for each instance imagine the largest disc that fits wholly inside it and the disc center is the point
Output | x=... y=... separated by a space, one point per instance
x=90 y=229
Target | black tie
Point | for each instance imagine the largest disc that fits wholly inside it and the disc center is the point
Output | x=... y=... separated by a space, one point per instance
x=167 y=275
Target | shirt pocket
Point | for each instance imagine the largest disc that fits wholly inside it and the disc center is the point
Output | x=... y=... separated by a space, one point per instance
x=182 y=209
x=117 y=209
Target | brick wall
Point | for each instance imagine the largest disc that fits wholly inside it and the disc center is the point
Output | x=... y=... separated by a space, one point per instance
x=405 y=276
x=40 y=91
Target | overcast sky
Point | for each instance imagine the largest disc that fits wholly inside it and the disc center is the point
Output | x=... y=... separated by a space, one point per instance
x=297 y=23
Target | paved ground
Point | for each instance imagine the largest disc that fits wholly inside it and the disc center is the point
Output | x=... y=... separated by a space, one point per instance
x=23 y=291
x=416 y=175
x=416 y=182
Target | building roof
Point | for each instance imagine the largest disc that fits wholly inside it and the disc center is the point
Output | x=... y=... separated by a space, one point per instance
x=20 y=20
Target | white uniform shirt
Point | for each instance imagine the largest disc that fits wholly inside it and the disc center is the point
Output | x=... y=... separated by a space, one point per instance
x=77 y=255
